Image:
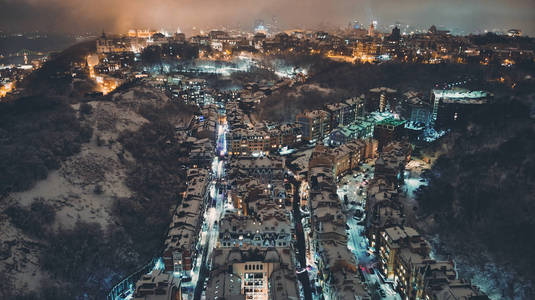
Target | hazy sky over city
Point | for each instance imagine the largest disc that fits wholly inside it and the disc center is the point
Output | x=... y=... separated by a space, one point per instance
x=120 y=15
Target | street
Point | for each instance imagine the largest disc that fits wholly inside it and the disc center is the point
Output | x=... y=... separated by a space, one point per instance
x=215 y=210
x=352 y=192
x=300 y=242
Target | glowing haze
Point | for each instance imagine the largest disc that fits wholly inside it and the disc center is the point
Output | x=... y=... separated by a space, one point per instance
x=120 y=15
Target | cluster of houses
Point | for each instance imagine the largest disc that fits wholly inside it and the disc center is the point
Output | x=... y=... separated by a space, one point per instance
x=337 y=267
x=254 y=256
x=182 y=244
x=403 y=254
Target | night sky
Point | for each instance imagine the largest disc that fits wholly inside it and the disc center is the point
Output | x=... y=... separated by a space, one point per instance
x=121 y=15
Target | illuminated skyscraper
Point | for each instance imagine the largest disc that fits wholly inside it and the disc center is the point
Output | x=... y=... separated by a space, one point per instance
x=260 y=26
x=371 y=30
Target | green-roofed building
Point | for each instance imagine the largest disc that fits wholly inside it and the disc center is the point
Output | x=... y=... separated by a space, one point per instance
x=388 y=130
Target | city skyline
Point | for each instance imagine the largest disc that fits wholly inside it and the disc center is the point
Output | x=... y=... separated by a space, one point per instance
x=247 y=150
x=119 y=16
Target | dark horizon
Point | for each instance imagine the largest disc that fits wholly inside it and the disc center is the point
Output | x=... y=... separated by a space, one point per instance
x=76 y=16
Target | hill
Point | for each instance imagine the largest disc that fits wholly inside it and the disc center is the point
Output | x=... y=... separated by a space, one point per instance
x=88 y=187
x=330 y=82
x=481 y=195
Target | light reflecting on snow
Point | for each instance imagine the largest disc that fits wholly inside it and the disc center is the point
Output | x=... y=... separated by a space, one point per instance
x=412 y=184
x=240 y=63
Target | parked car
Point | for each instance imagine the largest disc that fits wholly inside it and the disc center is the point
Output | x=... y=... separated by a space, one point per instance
x=382 y=293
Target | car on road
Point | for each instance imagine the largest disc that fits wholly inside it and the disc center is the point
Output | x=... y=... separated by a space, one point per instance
x=382 y=293
x=371 y=270
x=361 y=275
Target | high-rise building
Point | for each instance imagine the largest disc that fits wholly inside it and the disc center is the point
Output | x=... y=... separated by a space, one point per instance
x=379 y=98
x=388 y=130
x=396 y=34
x=371 y=29
x=338 y=113
x=450 y=106
x=416 y=109
x=315 y=124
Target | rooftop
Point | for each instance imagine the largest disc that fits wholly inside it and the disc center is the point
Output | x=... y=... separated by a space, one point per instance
x=459 y=95
x=156 y=286
x=391 y=122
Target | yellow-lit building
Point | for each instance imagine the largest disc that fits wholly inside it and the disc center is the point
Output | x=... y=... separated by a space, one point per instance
x=394 y=247
x=256 y=274
x=315 y=125
x=348 y=156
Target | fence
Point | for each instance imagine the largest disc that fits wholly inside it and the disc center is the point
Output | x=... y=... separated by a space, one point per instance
x=126 y=286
